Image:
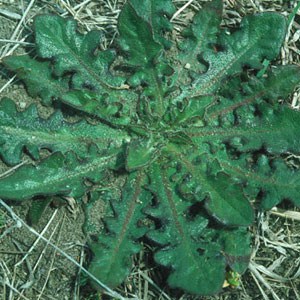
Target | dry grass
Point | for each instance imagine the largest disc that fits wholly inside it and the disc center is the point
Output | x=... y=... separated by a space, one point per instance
x=34 y=262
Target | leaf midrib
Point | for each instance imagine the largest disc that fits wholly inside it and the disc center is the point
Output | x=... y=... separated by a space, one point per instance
x=124 y=230
x=92 y=74
x=185 y=241
x=55 y=137
x=82 y=170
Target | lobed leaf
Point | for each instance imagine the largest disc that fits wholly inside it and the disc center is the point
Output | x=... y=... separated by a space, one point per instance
x=246 y=122
x=111 y=262
x=260 y=37
x=267 y=179
x=206 y=180
x=57 y=38
x=193 y=251
x=156 y=13
x=75 y=64
x=141 y=52
x=58 y=174
x=38 y=77
x=198 y=39
x=19 y=130
x=144 y=53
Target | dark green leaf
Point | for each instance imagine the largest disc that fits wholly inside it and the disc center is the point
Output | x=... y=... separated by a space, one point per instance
x=58 y=38
x=260 y=36
x=187 y=241
x=137 y=38
x=112 y=251
x=57 y=174
x=198 y=38
x=19 y=130
x=157 y=13
x=227 y=203
x=38 y=77
x=145 y=54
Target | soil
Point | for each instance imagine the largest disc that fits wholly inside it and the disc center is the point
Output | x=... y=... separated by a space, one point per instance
x=47 y=274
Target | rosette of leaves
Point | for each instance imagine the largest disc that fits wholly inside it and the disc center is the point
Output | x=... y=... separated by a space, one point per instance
x=193 y=126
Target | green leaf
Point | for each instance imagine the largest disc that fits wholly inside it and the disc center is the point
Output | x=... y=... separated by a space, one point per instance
x=246 y=122
x=260 y=36
x=143 y=52
x=198 y=39
x=58 y=38
x=38 y=77
x=236 y=247
x=157 y=14
x=93 y=104
x=268 y=179
x=177 y=235
x=56 y=175
x=19 y=130
x=192 y=112
x=281 y=183
x=114 y=248
x=226 y=208
x=188 y=241
x=140 y=153
x=204 y=178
